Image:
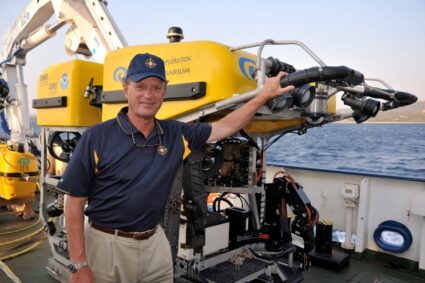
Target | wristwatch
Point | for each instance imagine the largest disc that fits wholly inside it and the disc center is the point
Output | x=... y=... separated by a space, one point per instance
x=74 y=267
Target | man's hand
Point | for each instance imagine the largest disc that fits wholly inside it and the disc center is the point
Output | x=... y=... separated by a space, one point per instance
x=237 y=119
x=272 y=88
x=84 y=275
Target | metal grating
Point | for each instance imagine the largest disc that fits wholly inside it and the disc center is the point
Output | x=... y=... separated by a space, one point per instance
x=229 y=272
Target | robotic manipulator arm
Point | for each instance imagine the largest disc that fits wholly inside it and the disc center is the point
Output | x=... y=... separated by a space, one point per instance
x=283 y=192
x=361 y=97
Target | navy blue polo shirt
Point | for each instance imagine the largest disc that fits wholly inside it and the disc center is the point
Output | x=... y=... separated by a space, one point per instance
x=127 y=185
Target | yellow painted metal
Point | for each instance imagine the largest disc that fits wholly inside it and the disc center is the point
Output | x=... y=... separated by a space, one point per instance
x=12 y=165
x=225 y=72
x=69 y=80
x=269 y=126
x=110 y=110
x=332 y=105
x=186 y=62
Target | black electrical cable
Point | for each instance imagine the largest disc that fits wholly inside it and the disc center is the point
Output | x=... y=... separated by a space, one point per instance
x=218 y=201
x=266 y=146
x=236 y=196
x=247 y=203
x=270 y=256
x=251 y=141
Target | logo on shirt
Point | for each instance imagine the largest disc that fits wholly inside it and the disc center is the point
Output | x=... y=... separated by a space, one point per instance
x=162 y=149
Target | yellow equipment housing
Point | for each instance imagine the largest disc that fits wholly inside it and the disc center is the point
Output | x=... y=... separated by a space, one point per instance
x=13 y=165
x=199 y=73
x=60 y=95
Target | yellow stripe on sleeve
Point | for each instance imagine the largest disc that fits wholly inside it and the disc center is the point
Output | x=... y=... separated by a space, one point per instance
x=186 y=151
x=96 y=161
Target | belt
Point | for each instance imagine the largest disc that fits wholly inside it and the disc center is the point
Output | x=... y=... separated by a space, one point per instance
x=133 y=235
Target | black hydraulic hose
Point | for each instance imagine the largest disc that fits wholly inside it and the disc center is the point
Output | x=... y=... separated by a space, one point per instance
x=317 y=74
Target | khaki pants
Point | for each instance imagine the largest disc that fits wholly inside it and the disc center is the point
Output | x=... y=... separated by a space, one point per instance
x=115 y=259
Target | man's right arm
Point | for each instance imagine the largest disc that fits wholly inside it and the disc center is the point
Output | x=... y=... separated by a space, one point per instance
x=74 y=215
x=239 y=118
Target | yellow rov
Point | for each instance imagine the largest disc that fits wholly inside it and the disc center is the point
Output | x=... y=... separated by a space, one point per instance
x=206 y=80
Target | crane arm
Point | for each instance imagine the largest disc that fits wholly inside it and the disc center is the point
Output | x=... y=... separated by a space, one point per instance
x=92 y=32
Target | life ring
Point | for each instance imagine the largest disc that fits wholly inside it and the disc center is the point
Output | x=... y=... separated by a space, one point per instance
x=393 y=226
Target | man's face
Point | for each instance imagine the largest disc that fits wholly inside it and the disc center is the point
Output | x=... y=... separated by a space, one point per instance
x=145 y=97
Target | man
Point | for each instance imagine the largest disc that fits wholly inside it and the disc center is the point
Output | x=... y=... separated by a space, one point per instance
x=124 y=168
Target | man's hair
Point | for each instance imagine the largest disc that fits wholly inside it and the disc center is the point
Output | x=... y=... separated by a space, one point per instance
x=125 y=80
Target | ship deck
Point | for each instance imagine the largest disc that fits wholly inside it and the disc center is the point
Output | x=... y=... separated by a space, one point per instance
x=30 y=267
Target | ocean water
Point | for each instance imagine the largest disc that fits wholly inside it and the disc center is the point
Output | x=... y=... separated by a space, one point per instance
x=387 y=149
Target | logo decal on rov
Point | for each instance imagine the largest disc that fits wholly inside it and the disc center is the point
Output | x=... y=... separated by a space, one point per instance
x=64 y=81
x=119 y=74
x=24 y=164
x=247 y=67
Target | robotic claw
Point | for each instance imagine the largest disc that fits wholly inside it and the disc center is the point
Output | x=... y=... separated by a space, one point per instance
x=287 y=192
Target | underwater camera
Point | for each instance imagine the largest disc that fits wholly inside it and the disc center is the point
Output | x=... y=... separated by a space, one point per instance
x=363 y=108
x=301 y=97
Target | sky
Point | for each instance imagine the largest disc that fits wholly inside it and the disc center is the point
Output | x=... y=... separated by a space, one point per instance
x=380 y=38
